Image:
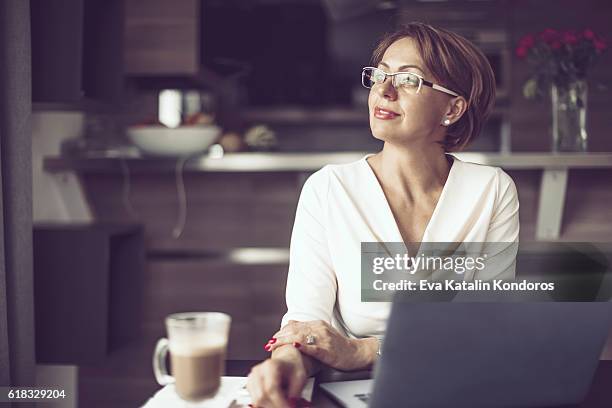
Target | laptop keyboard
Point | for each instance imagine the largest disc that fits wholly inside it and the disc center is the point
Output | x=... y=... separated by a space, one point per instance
x=363 y=397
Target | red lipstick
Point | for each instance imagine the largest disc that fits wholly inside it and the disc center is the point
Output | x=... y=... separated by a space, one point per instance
x=384 y=114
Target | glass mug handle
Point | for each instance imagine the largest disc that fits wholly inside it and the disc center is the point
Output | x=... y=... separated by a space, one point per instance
x=159 y=363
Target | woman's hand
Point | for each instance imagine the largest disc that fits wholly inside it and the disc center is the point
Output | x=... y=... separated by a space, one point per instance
x=278 y=381
x=330 y=346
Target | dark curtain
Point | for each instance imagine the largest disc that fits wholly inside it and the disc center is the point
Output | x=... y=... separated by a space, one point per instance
x=17 y=359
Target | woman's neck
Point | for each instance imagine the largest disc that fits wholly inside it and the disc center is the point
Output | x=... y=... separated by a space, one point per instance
x=411 y=172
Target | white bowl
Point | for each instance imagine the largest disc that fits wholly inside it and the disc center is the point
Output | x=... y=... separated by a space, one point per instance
x=175 y=142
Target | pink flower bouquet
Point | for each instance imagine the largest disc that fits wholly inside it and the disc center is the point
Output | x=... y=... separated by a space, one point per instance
x=558 y=57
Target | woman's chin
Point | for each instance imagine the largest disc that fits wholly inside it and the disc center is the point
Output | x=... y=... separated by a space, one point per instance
x=385 y=134
x=376 y=135
x=393 y=138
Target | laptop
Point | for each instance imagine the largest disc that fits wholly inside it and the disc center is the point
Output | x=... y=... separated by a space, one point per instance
x=483 y=354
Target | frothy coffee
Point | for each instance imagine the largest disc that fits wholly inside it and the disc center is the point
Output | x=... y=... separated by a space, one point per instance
x=197 y=368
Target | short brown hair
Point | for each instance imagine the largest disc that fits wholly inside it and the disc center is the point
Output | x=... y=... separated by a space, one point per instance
x=455 y=63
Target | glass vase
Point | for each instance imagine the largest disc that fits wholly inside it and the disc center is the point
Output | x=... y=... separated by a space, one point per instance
x=569 y=108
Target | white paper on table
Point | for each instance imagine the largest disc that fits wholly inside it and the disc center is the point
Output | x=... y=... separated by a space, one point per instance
x=232 y=388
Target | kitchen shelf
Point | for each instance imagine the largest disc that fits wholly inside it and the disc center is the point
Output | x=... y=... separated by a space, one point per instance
x=554 y=166
x=306 y=162
x=234 y=256
x=334 y=115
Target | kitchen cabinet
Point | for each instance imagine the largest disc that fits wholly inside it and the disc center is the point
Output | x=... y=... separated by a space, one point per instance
x=76 y=52
x=88 y=281
x=162 y=37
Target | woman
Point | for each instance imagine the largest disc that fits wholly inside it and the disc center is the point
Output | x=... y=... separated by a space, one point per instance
x=431 y=91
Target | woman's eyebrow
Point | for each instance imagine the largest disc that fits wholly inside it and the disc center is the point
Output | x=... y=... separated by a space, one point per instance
x=405 y=66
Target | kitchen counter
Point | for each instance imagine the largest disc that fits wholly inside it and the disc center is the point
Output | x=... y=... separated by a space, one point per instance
x=304 y=162
x=554 y=168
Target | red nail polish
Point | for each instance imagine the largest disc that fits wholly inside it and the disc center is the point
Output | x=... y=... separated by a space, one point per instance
x=272 y=340
x=296 y=344
x=267 y=347
x=299 y=402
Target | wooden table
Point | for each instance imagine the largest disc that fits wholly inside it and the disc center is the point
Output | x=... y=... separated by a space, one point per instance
x=599 y=396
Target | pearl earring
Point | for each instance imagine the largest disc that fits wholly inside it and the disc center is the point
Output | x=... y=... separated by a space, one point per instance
x=446 y=122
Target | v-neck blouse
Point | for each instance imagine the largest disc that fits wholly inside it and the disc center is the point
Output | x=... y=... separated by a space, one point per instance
x=341 y=206
x=378 y=192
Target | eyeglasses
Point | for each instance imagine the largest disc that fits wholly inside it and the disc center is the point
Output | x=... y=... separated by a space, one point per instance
x=371 y=76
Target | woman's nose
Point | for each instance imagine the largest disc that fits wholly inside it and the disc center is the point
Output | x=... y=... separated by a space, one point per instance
x=387 y=90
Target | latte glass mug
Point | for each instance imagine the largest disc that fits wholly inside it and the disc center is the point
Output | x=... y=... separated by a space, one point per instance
x=197 y=342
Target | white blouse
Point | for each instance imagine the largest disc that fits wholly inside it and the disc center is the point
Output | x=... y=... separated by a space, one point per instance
x=341 y=206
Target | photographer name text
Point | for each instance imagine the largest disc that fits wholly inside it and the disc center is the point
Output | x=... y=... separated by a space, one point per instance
x=454 y=285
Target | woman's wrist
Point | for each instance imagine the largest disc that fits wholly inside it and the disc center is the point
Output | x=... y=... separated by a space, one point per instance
x=367 y=352
x=291 y=355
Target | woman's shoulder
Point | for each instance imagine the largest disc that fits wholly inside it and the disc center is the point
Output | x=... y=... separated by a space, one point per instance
x=345 y=173
x=470 y=172
x=488 y=180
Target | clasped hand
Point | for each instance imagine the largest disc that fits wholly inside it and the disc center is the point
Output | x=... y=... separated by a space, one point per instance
x=328 y=345
x=278 y=381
